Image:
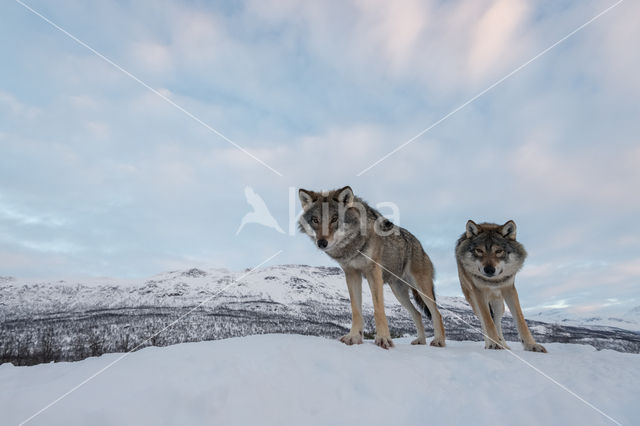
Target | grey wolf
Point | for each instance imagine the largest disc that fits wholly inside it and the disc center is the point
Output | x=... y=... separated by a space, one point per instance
x=488 y=258
x=365 y=243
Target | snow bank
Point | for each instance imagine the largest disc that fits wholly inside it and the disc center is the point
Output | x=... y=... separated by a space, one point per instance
x=299 y=380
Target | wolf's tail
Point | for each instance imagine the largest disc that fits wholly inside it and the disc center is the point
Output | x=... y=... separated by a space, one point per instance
x=420 y=302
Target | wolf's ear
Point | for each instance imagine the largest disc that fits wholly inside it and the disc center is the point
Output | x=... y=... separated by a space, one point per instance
x=306 y=198
x=345 y=195
x=508 y=230
x=472 y=229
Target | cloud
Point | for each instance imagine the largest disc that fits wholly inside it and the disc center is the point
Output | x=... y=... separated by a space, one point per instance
x=392 y=29
x=19 y=217
x=12 y=107
x=154 y=57
x=494 y=36
x=577 y=175
x=321 y=91
x=98 y=129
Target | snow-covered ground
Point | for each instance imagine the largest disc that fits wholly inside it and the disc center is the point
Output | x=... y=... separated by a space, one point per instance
x=301 y=380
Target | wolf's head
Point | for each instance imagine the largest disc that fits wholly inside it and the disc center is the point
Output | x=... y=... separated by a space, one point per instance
x=329 y=218
x=490 y=252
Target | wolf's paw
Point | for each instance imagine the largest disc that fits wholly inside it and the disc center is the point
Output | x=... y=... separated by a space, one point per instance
x=352 y=339
x=439 y=343
x=534 y=347
x=419 y=341
x=497 y=344
x=384 y=342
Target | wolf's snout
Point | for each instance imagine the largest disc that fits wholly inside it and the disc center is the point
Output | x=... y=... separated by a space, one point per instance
x=489 y=270
x=323 y=243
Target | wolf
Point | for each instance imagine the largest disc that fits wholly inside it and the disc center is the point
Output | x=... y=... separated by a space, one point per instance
x=365 y=243
x=488 y=257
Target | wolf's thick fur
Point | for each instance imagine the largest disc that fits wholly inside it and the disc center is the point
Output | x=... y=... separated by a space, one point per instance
x=488 y=258
x=364 y=243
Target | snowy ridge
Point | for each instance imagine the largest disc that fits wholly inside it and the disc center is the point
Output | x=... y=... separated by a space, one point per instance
x=283 y=284
x=627 y=321
x=290 y=285
x=72 y=319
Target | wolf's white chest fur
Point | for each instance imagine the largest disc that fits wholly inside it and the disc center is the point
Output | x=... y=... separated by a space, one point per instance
x=360 y=261
x=493 y=287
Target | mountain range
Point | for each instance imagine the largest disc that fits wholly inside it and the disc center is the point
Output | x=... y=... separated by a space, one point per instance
x=72 y=319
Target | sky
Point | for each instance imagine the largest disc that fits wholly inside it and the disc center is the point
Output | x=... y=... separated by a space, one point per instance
x=132 y=167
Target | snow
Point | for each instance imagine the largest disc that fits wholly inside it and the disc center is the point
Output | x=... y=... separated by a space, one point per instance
x=302 y=380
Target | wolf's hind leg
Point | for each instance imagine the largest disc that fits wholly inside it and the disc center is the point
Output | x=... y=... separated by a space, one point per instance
x=401 y=291
x=423 y=281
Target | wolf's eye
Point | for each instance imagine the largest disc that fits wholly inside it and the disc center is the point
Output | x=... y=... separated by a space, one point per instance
x=499 y=252
x=334 y=219
x=478 y=252
x=314 y=220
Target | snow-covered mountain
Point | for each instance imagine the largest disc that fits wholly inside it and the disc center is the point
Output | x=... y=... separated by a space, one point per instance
x=305 y=380
x=73 y=319
x=629 y=320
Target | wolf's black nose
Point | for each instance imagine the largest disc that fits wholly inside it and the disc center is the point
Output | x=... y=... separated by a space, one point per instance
x=322 y=243
x=489 y=270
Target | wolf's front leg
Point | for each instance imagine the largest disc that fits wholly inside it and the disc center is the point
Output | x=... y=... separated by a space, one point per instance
x=383 y=337
x=513 y=302
x=354 y=284
x=492 y=339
